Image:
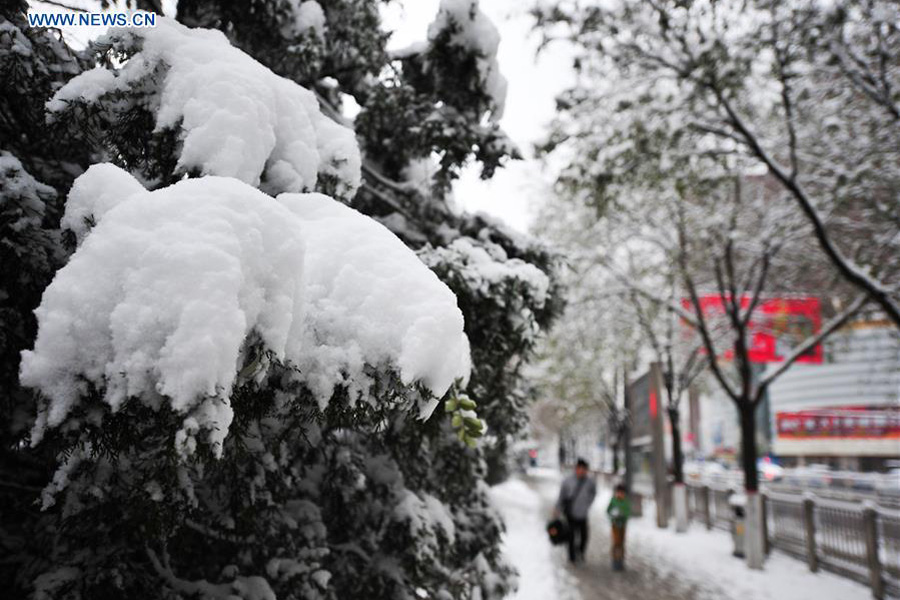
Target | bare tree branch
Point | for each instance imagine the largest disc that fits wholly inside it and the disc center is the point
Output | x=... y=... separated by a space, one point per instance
x=810 y=343
x=64 y=5
x=878 y=292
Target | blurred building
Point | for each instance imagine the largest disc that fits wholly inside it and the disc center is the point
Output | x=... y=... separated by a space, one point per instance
x=846 y=411
x=720 y=432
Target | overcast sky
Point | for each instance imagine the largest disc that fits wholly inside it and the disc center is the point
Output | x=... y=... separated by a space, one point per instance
x=534 y=81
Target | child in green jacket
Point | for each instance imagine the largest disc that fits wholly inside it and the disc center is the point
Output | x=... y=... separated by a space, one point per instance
x=619 y=510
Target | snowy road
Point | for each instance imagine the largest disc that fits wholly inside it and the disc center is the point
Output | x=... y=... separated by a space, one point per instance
x=660 y=564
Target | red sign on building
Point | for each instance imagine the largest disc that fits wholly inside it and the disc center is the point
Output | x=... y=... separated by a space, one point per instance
x=777 y=327
x=843 y=422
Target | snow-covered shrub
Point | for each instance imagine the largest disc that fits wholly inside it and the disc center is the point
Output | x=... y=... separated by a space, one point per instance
x=460 y=24
x=34 y=63
x=228 y=114
x=192 y=447
x=508 y=290
x=206 y=304
x=176 y=291
x=36 y=168
x=29 y=253
x=449 y=84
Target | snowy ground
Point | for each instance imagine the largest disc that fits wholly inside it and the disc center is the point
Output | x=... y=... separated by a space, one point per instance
x=527 y=546
x=662 y=565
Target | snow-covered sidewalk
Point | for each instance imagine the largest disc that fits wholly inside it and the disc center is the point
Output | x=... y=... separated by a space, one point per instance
x=526 y=545
x=697 y=565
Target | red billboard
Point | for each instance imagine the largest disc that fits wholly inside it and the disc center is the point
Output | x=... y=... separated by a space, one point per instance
x=777 y=327
x=845 y=422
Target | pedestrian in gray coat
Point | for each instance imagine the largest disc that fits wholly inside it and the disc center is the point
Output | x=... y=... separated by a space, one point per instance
x=575 y=498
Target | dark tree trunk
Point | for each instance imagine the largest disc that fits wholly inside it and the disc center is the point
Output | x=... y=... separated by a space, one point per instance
x=748 y=446
x=497 y=462
x=627 y=458
x=677 y=453
x=615 y=453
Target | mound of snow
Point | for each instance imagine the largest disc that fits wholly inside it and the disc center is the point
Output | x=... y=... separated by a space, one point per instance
x=93 y=194
x=372 y=301
x=236 y=117
x=166 y=293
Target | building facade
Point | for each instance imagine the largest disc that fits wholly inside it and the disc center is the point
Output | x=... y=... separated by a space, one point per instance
x=844 y=412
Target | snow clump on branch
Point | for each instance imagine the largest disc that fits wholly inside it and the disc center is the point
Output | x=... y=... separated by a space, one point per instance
x=234 y=117
x=473 y=31
x=307 y=16
x=174 y=292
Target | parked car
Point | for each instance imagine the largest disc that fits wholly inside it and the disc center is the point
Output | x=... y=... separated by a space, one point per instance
x=889 y=483
x=809 y=476
x=769 y=471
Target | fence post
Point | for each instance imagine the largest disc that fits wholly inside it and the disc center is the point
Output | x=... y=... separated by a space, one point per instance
x=707 y=514
x=810 y=522
x=764 y=518
x=875 y=580
x=691 y=496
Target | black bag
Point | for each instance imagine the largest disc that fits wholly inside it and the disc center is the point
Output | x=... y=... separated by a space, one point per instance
x=559 y=532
